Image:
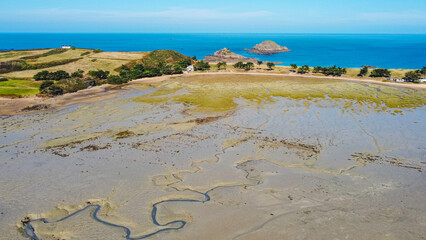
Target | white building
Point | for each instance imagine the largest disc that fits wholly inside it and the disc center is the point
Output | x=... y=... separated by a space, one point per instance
x=190 y=68
x=66 y=46
x=422 y=80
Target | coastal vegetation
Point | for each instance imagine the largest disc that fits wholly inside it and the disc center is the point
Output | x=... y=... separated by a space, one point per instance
x=49 y=53
x=217 y=93
x=221 y=65
x=270 y=65
x=46 y=75
x=330 y=71
x=380 y=72
x=81 y=68
x=304 y=69
x=363 y=72
x=18 y=88
x=246 y=66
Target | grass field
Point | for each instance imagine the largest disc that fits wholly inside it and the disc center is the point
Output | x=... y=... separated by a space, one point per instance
x=15 y=88
x=107 y=61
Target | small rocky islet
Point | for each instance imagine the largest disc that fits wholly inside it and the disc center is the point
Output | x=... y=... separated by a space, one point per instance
x=227 y=56
x=267 y=48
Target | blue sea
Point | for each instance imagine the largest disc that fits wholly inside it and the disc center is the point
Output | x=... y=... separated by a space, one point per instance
x=345 y=50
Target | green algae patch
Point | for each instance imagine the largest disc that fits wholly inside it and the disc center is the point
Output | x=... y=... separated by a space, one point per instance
x=216 y=93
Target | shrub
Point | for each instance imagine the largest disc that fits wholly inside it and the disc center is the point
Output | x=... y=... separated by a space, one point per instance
x=97 y=51
x=413 y=76
x=201 y=65
x=85 y=53
x=270 y=65
x=221 y=64
x=100 y=74
x=72 y=48
x=177 y=69
x=248 y=66
x=51 y=52
x=317 y=69
x=294 y=66
x=333 y=71
x=303 y=69
x=380 y=72
x=45 y=75
x=72 y=84
x=152 y=72
x=90 y=81
x=41 y=75
x=58 y=75
x=115 y=79
x=3 y=79
x=53 y=91
x=239 y=65
x=363 y=72
x=184 y=63
x=46 y=84
x=77 y=74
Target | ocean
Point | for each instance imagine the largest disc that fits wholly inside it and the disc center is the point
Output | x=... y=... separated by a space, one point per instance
x=345 y=50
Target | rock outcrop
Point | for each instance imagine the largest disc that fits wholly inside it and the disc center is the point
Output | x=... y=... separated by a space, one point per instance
x=268 y=48
x=225 y=55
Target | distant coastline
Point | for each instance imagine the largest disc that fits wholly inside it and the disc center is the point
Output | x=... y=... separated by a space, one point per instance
x=393 y=51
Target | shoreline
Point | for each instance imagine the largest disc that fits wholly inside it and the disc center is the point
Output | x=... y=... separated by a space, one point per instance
x=14 y=106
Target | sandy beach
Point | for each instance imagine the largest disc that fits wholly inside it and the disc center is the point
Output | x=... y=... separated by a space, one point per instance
x=218 y=157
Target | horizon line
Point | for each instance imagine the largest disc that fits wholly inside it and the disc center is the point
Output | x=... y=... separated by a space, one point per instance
x=208 y=33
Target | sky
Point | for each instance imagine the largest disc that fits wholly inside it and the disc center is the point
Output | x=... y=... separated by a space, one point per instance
x=213 y=16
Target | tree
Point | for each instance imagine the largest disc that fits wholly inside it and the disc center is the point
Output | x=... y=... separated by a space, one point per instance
x=363 y=72
x=177 y=69
x=41 y=75
x=317 y=69
x=46 y=84
x=413 y=76
x=77 y=74
x=239 y=65
x=53 y=90
x=248 y=66
x=202 y=66
x=259 y=63
x=100 y=74
x=304 y=69
x=380 y=72
x=221 y=64
x=184 y=63
x=58 y=75
x=136 y=72
x=73 y=48
x=333 y=71
x=270 y=65
x=423 y=71
x=116 y=80
x=294 y=66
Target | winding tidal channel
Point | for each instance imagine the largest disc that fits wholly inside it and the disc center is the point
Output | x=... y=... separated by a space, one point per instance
x=219 y=157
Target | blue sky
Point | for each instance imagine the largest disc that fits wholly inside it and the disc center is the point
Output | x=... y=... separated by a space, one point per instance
x=218 y=16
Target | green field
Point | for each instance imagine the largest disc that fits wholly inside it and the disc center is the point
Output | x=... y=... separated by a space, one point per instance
x=15 y=87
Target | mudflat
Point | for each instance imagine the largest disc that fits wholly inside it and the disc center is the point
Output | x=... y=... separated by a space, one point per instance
x=219 y=157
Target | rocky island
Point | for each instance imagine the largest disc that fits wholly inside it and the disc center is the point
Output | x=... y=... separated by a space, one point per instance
x=227 y=56
x=268 y=48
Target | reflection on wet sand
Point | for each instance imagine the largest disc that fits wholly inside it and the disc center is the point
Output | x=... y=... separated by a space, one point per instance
x=220 y=157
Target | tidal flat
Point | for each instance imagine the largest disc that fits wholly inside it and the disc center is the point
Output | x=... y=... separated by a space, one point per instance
x=220 y=157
